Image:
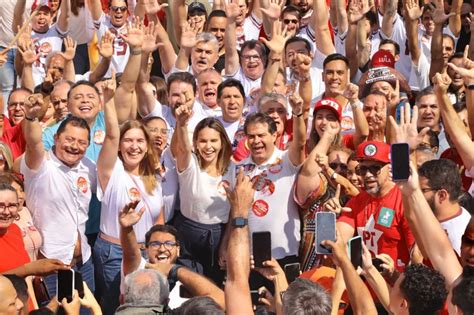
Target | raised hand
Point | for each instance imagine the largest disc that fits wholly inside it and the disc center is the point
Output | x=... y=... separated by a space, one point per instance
x=149 y=38
x=273 y=11
x=69 y=49
x=358 y=9
x=188 y=35
x=128 y=217
x=388 y=264
x=33 y=105
x=232 y=9
x=351 y=92
x=409 y=186
x=109 y=87
x=106 y=45
x=406 y=131
x=279 y=38
x=467 y=69
x=28 y=52
x=322 y=160
x=366 y=258
x=241 y=197
x=183 y=114
x=413 y=10
x=134 y=35
x=339 y=249
x=303 y=66
x=152 y=6
x=296 y=103
x=441 y=82
x=437 y=12
x=334 y=204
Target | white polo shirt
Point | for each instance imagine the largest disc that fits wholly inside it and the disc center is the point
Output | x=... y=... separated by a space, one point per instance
x=58 y=197
x=273 y=208
x=455 y=227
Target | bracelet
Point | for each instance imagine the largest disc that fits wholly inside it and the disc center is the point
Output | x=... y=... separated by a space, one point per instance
x=297 y=115
x=136 y=52
x=356 y=105
x=31 y=119
x=334 y=176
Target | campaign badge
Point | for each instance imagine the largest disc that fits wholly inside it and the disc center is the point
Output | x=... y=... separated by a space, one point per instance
x=134 y=194
x=99 y=136
x=268 y=189
x=81 y=184
x=385 y=217
x=258 y=182
x=276 y=167
x=260 y=208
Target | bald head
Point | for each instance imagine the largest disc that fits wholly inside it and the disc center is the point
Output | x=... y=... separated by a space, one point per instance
x=9 y=302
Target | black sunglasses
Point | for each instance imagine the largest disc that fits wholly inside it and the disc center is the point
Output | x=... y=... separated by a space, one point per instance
x=373 y=169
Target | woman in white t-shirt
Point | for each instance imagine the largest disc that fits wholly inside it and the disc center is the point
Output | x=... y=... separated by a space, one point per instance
x=126 y=172
x=202 y=170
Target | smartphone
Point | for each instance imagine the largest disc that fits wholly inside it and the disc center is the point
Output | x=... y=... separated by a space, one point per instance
x=184 y=293
x=78 y=284
x=65 y=285
x=325 y=230
x=400 y=158
x=377 y=262
x=255 y=296
x=292 y=271
x=355 y=251
x=261 y=247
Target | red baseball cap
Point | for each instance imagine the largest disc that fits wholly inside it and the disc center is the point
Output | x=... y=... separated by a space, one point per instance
x=331 y=104
x=383 y=58
x=373 y=150
x=40 y=5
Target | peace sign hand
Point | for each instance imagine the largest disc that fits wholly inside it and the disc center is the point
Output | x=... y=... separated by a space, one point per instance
x=334 y=204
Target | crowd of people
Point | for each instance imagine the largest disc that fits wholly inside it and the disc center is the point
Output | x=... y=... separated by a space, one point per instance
x=145 y=142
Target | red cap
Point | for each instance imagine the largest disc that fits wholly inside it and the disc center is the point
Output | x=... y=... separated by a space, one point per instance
x=331 y=104
x=40 y=4
x=383 y=58
x=373 y=150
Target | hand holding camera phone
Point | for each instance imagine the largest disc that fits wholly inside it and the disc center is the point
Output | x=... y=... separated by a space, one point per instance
x=325 y=230
x=65 y=285
x=261 y=247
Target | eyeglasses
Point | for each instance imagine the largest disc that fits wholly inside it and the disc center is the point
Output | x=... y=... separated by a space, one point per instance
x=15 y=104
x=341 y=166
x=250 y=57
x=373 y=169
x=288 y=21
x=157 y=244
x=163 y=131
x=10 y=206
x=425 y=190
x=121 y=9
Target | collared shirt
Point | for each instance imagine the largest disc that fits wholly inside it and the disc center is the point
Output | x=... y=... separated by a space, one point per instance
x=58 y=197
x=273 y=208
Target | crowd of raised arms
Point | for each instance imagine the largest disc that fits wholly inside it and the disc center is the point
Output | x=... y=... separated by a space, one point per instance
x=285 y=157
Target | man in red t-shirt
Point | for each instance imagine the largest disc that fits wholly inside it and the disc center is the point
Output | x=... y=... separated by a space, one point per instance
x=377 y=212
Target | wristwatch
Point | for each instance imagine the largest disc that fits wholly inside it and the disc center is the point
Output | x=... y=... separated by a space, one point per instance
x=239 y=222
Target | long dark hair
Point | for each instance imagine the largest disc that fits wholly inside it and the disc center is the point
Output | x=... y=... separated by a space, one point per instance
x=223 y=158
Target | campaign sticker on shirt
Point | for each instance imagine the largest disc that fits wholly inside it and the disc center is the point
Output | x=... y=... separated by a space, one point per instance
x=222 y=186
x=347 y=123
x=258 y=182
x=45 y=48
x=248 y=168
x=99 y=136
x=82 y=184
x=268 y=189
x=385 y=217
x=276 y=167
x=260 y=208
x=134 y=194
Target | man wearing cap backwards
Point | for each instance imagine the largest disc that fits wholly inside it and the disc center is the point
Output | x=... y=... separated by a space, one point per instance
x=377 y=212
x=47 y=38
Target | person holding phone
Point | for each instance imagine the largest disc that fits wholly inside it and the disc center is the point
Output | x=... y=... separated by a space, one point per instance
x=377 y=212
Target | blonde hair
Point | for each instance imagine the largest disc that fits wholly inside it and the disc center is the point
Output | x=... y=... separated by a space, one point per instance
x=147 y=165
x=7 y=155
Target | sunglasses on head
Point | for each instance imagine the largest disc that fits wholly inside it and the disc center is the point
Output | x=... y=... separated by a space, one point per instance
x=362 y=170
x=116 y=9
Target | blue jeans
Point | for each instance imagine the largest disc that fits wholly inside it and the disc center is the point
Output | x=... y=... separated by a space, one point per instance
x=7 y=74
x=87 y=271
x=108 y=263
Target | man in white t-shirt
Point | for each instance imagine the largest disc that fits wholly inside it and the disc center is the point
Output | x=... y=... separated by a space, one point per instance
x=231 y=98
x=441 y=185
x=59 y=186
x=47 y=38
x=115 y=22
x=162 y=247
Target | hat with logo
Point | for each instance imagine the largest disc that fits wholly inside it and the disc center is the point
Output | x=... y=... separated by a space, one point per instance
x=40 y=5
x=331 y=104
x=382 y=73
x=195 y=7
x=373 y=150
x=383 y=58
